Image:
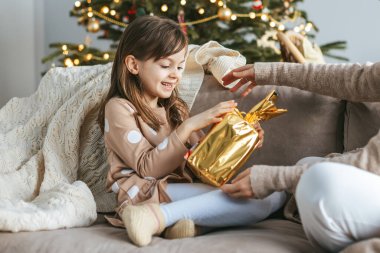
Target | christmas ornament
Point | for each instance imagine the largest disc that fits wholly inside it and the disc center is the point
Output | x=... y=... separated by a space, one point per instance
x=257 y=5
x=132 y=11
x=181 y=19
x=125 y=19
x=140 y=12
x=93 y=25
x=224 y=13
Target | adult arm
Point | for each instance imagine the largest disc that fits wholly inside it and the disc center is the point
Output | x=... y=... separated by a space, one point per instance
x=353 y=82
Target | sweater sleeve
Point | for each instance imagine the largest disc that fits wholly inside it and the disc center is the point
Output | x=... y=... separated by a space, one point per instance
x=353 y=82
x=267 y=179
x=218 y=60
x=367 y=158
x=124 y=137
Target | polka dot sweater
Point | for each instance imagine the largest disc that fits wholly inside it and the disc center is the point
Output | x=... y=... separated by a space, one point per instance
x=141 y=160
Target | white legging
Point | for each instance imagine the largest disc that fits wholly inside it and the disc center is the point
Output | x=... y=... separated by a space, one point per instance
x=337 y=204
x=208 y=206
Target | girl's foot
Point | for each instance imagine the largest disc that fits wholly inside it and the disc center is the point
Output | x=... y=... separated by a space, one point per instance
x=142 y=222
x=182 y=229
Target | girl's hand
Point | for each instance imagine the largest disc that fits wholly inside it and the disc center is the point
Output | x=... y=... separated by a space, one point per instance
x=211 y=116
x=245 y=74
x=260 y=131
x=201 y=120
x=240 y=187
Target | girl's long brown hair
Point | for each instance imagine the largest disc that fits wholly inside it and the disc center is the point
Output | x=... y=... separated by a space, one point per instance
x=145 y=38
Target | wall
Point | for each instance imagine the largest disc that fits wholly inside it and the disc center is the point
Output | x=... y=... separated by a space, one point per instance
x=28 y=27
x=19 y=48
x=357 y=22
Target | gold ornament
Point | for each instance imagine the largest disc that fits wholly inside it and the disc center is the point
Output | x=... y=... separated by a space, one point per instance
x=93 y=25
x=224 y=13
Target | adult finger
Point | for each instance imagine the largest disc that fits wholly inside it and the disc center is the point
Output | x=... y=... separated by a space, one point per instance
x=248 y=89
x=242 y=195
x=238 y=73
x=241 y=83
x=241 y=175
x=230 y=188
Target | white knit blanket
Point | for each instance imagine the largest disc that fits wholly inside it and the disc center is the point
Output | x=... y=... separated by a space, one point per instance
x=52 y=157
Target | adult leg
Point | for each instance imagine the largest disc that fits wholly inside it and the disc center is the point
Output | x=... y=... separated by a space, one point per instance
x=336 y=207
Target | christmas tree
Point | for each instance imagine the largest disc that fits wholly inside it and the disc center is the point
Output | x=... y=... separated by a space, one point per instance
x=248 y=26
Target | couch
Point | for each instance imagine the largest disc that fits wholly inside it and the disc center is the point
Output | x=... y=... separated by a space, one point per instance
x=314 y=126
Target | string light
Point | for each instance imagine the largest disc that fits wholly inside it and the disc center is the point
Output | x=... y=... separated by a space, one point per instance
x=105 y=9
x=252 y=15
x=308 y=27
x=88 y=57
x=80 y=47
x=68 y=62
x=264 y=17
x=164 y=8
x=233 y=16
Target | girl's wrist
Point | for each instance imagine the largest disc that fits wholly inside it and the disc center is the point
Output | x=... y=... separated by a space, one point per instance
x=184 y=130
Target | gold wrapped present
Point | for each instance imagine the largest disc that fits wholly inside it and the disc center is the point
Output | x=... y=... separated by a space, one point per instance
x=229 y=143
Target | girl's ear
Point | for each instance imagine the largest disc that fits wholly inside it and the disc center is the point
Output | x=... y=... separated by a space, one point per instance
x=131 y=63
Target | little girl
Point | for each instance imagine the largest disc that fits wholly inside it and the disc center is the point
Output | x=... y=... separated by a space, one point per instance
x=147 y=132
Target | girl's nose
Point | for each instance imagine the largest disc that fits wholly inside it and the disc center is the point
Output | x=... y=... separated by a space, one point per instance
x=176 y=73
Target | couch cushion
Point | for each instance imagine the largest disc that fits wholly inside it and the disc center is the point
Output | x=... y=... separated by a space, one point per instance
x=271 y=236
x=362 y=121
x=313 y=125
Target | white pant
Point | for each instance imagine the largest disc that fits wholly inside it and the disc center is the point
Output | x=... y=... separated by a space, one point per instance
x=338 y=205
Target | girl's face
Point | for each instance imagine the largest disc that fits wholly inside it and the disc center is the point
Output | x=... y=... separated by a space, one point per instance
x=159 y=78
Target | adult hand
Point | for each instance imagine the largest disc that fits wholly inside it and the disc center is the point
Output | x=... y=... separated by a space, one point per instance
x=260 y=131
x=240 y=187
x=247 y=78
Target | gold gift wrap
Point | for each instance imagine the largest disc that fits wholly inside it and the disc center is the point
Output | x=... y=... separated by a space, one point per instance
x=229 y=143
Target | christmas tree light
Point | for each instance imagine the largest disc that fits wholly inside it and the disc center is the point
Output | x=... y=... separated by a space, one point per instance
x=236 y=24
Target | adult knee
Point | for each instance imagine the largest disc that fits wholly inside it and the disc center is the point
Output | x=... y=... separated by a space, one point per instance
x=321 y=180
x=319 y=195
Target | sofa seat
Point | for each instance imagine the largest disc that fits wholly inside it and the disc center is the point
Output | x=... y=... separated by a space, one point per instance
x=270 y=236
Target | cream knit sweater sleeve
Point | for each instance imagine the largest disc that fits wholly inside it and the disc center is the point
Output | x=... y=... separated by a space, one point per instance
x=210 y=57
x=352 y=82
